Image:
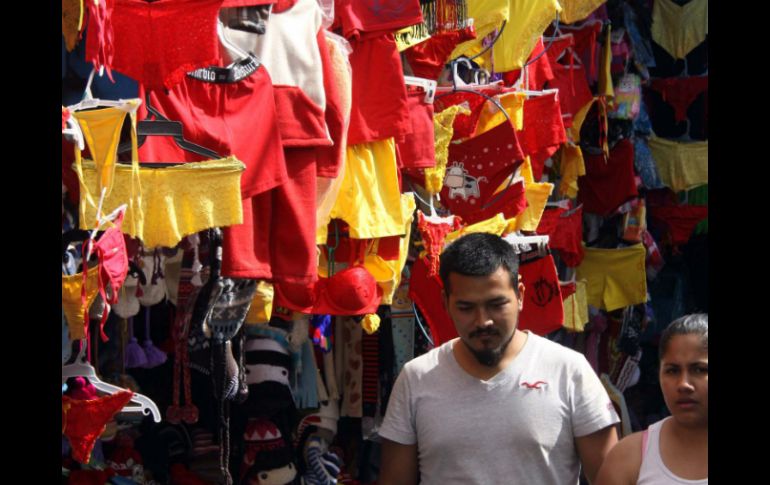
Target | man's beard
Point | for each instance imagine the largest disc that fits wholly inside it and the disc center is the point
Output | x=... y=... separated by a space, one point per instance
x=489 y=357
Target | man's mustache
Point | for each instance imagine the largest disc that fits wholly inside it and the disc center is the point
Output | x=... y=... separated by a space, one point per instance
x=483 y=332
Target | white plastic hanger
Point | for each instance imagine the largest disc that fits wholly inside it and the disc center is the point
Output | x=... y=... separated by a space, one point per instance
x=522 y=244
x=74 y=131
x=563 y=204
x=427 y=85
x=434 y=217
x=82 y=368
x=88 y=101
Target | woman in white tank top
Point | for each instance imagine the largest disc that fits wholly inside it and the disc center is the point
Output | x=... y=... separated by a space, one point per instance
x=673 y=450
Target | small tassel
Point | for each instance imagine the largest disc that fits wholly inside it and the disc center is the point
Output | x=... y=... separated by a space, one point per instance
x=134 y=354
x=371 y=323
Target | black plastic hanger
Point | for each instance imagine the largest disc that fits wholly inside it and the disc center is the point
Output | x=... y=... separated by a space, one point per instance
x=161 y=126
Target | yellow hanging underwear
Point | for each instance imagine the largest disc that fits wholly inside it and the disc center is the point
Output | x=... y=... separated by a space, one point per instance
x=577 y=121
x=679 y=29
x=171 y=202
x=537 y=197
x=388 y=273
x=443 y=131
x=606 y=88
x=576 y=309
x=682 y=166
x=571 y=167
x=101 y=130
x=491 y=116
x=576 y=10
x=487 y=16
x=72 y=304
x=616 y=278
x=369 y=199
x=526 y=22
x=494 y=225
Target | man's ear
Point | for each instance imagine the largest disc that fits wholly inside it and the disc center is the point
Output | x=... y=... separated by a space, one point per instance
x=445 y=299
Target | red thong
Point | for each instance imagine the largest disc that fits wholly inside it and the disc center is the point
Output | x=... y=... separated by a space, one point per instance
x=558 y=46
x=680 y=92
x=574 y=92
x=465 y=125
x=510 y=202
x=543 y=131
x=477 y=167
x=543 y=309
x=427 y=58
x=100 y=48
x=538 y=72
x=433 y=235
x=608 y=183
x=112 y=258
x=565 y=233
x=680 y=220
x=586 y=45
x=426 y=292
x=85 y=421
x=157 y=43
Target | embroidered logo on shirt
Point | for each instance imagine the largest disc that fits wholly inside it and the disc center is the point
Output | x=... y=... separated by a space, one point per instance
x=535 y=385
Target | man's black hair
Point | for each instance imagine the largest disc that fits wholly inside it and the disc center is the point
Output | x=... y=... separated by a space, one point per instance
x=479 y=254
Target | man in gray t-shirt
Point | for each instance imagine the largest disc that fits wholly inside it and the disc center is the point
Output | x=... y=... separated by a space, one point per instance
x=496 y=405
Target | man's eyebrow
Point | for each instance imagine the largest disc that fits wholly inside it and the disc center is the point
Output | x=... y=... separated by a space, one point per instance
x=499 y=299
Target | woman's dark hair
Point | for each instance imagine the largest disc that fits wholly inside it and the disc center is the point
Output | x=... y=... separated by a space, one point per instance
x=695 y=324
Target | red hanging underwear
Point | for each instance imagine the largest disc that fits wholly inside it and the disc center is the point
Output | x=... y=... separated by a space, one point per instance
x=85 y=421
x=608 y=183
x=157 y=42
x=543 y=310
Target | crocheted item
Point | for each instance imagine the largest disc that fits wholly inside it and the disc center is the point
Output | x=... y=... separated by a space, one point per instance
x=443 y=132
x=433 y=235
x=156 y=43
x=267 y=457
x=186 y=298
x=84 y=421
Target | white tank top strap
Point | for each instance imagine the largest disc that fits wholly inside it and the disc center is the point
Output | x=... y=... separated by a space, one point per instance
x=653 y=471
